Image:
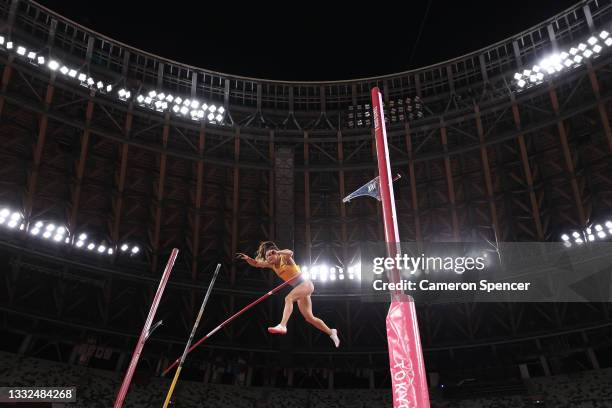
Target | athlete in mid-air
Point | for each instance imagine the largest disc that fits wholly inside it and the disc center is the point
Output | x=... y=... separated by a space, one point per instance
x=282 y=263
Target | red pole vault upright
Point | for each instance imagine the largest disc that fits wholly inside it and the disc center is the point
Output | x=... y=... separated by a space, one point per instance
x=408 y=376
x=144 y=335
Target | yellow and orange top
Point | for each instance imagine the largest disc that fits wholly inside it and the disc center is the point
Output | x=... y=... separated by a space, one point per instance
x=286 y=269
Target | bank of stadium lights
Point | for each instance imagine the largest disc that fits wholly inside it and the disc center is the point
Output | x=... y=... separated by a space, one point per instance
x=154 y=100
x=324 y=273
x=187 y=108
x=596 y=232
x=568 y=59
x=53 y=232
x=396 y=110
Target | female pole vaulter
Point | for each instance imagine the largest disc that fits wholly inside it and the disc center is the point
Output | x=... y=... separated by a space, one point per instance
x=282 y=263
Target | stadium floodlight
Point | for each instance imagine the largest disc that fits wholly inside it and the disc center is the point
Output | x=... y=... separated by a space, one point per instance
x=575 y=234
x=100 y=84
x=212 y=108
x=21 y=50
x=5 y=213
x=211 y=117
x=323 y=273
x=582 y=46
x=67 y=240
x=40 y=60
x=72 y=73
x=521 y=83
x=186 y=102
x=110 y=251
x=158 y=105
x=221 y=110
x=314 y=272
x=205 y=107
x=31 y=55
x=608 y=224
x=597 y=48
x=608 y=41
x=50 y=227
x=518 y=76
x=2 y=220
x=47 y=234
x=34 y=231
x=82 y=77
x=15 y=216
x=152 y=94
x=164 y=105
x=200 y=114
x=53 y=65
x=9 y=45
x=140 y=99
x=101 y=248
x=195 y=104
x=61 y=231
x=124 y=247
x=39 y=224
x=175 y=108
x=161 y=96
x=79 y=244
x=12 y=224
x=604 y=34
x=135 y=250
x=591 y=237
x=2 y=40
x=184 y=110
x=109 y=88
x=178 y=100
x=357 y=269
x=148 y=100
x=219 y=117
x=577 y=59
x=587 y=53
x=64 y=70
x=82 y=237
x=57 y=237
x=598 y=227
x=91 y=246
x=592 y=40
x=169 y=98
x=601 y=234
x=90 y=81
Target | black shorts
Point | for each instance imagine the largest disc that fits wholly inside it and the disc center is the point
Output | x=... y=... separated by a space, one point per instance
x=298 y=280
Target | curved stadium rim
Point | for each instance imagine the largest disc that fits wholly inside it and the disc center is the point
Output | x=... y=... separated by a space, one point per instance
x=449 y=61
x=533 y=40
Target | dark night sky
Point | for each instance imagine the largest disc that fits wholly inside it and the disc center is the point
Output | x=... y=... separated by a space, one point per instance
x=308 y=40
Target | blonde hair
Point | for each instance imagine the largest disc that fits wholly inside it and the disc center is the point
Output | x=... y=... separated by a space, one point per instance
x=264 y=246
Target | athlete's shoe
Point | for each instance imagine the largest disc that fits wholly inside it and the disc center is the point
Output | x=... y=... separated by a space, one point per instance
x=334 y=337
x=278 y=329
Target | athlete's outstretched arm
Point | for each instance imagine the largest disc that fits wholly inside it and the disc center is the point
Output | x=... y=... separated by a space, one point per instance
x=252 y=261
